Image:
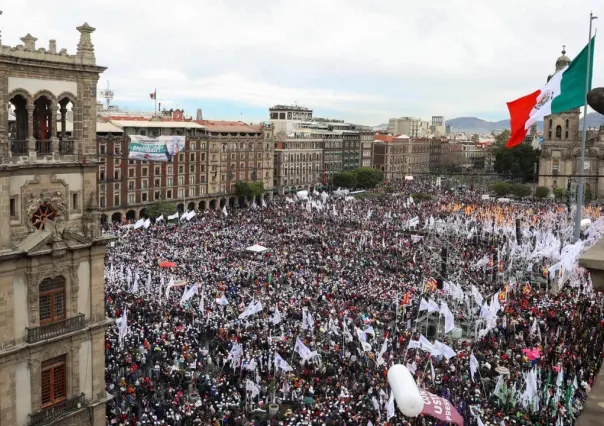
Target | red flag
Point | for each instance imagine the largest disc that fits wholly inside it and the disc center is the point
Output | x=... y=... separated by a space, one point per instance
x=520 y=110
x=152 y=95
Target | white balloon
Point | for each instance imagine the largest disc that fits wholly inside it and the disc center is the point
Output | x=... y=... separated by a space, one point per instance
x=405 y=390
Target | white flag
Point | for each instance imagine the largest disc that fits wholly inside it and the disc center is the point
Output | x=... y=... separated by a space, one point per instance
x=192 y=291
x=281 y=363
x=473 y=365
x=222 y=300
x=224 y=211
x=276 y=319
x=302 y=350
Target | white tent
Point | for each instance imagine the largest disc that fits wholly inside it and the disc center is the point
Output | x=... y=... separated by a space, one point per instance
x=256 y=248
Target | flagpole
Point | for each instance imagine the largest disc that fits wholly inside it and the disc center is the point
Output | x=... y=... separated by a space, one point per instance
x=155 y=96
x=581 y=170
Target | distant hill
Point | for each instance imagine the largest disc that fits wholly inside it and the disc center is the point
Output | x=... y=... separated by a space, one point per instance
x=382 y=126
x=477 y=125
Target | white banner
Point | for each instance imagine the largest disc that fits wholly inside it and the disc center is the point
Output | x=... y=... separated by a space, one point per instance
x=155 y=148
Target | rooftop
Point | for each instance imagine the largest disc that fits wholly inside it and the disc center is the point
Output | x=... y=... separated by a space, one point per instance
x=289 y=108
x=163 y=124
x=229 y=126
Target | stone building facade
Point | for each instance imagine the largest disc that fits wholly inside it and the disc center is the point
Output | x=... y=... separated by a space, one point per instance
x=52 y=316
x=561 y=148
x=217 y=154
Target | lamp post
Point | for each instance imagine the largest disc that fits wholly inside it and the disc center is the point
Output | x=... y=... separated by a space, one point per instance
x=581 y=170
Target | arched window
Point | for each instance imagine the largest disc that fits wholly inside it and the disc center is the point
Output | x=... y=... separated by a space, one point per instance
x=52 y=300
x=558 y=132
x=550 y=123
x=567 y=123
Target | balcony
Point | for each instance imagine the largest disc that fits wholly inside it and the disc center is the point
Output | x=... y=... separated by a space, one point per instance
x=47 y=415
x=54 y=329
x=43 y=146
x=18 y=147
x=66 y=147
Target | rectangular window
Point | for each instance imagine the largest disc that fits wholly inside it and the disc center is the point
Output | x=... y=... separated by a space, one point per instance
x=203 y=156
x=192 y=146
x=157 y=183
x=157 y=195
x=102 y=149
x=169 y=194
x=157 y=171
x=192 y=180
x=203 y=179
x=74 y=202
x=180 y=193
x=192 y=157
x=13 y=207
x=131 y=172
x=144 y=173
x=130 y=185
x=181 y=158
x=144 y=197
x=116 y=200
x=169 y=170
x=203 y=146
x=53 y=381
x=181 y=180
x=52 y=300
x=181 y=169
x=192 y=168
x=169 y=182
x=131 y=198
x=144 y=183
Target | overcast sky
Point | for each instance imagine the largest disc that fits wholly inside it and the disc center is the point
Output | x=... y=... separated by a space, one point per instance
x=359 y=60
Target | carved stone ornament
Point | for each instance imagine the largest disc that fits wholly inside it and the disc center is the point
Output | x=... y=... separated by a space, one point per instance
x=92 y=203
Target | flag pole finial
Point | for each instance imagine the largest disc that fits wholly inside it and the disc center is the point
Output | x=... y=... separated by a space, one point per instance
x=564 y=49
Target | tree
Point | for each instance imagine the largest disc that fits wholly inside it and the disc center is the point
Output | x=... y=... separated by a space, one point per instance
x=517 y=162
x=345 y=180
x=588 y=195
x=257 y=188
x=502 y=138
x=559 y=193
x=521 y=190
x=164 y=208
x=453 y=160
x=542 y=192
x=244 y=189
x=368 y=178
x=502 y=188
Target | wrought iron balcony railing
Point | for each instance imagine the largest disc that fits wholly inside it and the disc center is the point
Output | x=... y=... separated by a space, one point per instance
x=66 y=147
x=54 y=329
x=43 y=146
x=18 y=146
x=47 y=415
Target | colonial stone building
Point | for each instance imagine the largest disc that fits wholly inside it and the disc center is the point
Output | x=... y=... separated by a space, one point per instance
x=561 y=149
x=52 y=317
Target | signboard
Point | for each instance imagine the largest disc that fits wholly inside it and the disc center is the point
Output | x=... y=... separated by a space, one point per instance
x=440 y=408
x=155 y=148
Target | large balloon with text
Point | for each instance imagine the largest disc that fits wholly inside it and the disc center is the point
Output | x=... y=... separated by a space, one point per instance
x=406 y=393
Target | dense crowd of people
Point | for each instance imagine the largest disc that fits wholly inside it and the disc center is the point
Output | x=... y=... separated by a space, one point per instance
x=301 y=305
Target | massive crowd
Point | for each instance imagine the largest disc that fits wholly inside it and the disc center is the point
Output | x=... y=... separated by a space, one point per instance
x=208 y=332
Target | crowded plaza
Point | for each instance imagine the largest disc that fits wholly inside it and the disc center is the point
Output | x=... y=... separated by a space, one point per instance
x=291 y=311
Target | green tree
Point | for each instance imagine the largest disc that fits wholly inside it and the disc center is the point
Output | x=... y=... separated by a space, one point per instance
x=244 y=189
x=368 y=178
x=521 y=190
x=345 y=180
x=257 y=188
x=165 y=208
x=588 y=195
x=559 y=193
x=517 y=162
x=421 y=196
x=542 y=192
x=502 y=138
x=502 y=188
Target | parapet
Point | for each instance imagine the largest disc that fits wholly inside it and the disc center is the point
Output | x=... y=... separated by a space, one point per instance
x=28 y=50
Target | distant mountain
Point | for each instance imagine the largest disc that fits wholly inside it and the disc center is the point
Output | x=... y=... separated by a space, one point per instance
x=382 y=126
x=476 y=125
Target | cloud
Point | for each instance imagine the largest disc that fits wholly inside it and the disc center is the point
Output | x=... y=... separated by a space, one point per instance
x=362 y=60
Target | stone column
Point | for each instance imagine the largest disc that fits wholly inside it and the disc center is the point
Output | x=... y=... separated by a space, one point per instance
x=31 y=142
x=35 y=370
x=75 y=368
x=54 y=107
x=63 y=111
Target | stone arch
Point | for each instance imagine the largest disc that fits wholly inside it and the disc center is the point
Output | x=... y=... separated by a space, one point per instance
x=21 y=92
x=212 y=204
x=191 y=206
x=223 y=202
x=116 y=217
x=143 y=214
x=267 y=196
x=232 y=202
x=241 y=201
x=202 y=205
x=180 y=208
x=104 y=219
x=131 y=215
x=44 y=93
x=67 y=95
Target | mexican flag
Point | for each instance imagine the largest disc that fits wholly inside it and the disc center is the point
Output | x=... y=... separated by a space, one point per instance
x=564 y=91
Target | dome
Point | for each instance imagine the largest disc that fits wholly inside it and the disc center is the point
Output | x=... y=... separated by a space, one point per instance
x=563 y=60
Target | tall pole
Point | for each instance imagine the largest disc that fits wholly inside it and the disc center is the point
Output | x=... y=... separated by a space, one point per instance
x=581 y=170
x=155 y=97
